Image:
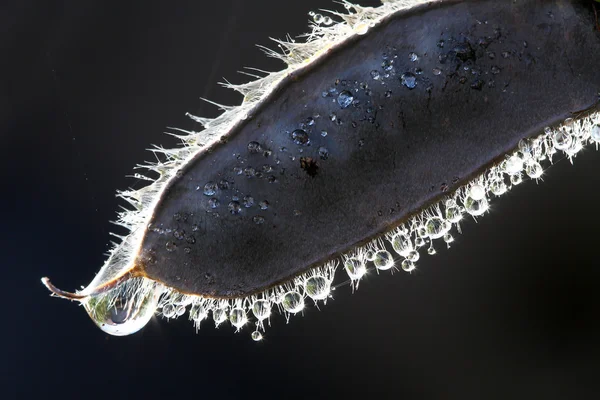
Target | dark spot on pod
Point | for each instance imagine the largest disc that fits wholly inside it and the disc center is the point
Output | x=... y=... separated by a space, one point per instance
x=421 y=139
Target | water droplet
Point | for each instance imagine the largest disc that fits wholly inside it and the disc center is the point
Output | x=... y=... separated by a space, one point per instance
x=453 y=214
x=237 y=170
x=448 y=238
x=402 y=244
x=180 y=311
x=187 y=250
x=327 y=20
x=254 y=147
x=495 y=70
x=388 y=93
x=345 y=99
x=513 y=165
x=355 y=268
x=261 y=309
x=323 y=153
x=387 y=65
x=318 y=18
x=170 y=246
x=419 y=242
x=258 y=220
x=476 y=207
x=223 y=184
x=248 y=201
x=375 y=74
x=562 y=140
x=440 y=43
x=179 y=234
x=498 y=187
x=409 y=80
x=431 y=251
x=383 y=260
x=317 y=287
x=412 y=56
x=516 y=179
x=436 y=227
x=323 y=133
x=437 y=71
x=263 y=205
x=256 y=336
x=210 y=189
x=213 y=202
x=534 y=170
x=267 y=168
x=237 y=317
x=249 y=172
x=292 y=302
x=168 y=311
x=300 y=137
x=408 y=266
x=198 y=313
x=477 y=192
x=234 y=207
x=595 y=134
x=413 y=256
x=219 y=316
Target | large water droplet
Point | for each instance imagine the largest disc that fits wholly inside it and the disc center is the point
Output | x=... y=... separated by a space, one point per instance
x=562 y=140
x=292 y=302
x=383 y=260
x=317 y=287
x=355 y=268
x=477 y=192
x=476 y=207
x=534 y=170
x=237 y=317
x=513 y=165
x=402 y=244
x=436 y=227
x=345 y=99
x=219 y=316
x=261 y=309
x=234 y=207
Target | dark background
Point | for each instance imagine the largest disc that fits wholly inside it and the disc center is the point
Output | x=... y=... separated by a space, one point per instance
x=511 y=311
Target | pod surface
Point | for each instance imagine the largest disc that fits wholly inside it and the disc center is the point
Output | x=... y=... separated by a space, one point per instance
x=392 y=145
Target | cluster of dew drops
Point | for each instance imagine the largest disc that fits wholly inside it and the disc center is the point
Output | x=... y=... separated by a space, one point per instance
x=472 y=199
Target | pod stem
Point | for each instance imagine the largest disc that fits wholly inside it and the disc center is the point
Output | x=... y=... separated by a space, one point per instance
x=61 y=293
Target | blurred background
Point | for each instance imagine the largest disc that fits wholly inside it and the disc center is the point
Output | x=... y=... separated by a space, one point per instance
x=511 y=311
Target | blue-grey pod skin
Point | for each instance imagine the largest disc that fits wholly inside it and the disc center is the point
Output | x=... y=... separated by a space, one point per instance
x=508 y=69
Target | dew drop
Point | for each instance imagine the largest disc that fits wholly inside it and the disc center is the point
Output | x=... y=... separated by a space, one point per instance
x=234 y=207
x=448 y=238
x=292 y=302
x=170 y=246
x=402 y=244
x=254 y=147
x=317 y=288
x=300 y=137
x=476 y=207
x=498 y=187
x=180 y=310
x=534 y=170
x=345 y=99
x=258 y=220
x=261 y=309
x=168 y=311
x=412 y=56
x=213 y=202
x=198 y=313
x=323 y=133
x=375 y=74
x=383 y=260
x=408 y=266
x=516 y=179
x=413 y=256
x=435 y=227
x=431 y=251
x=437 y=71
x=477 y=192
x=562 y=140
x=219 y=316
x=256 y=336
x=237 y=317
x=514 y=165
x=355 y=268
x=248 y=201
x=453 y=214
x=323 y=153
x=495 y=70
x=409 y=80
x=264 y=204
x=210 y=189
x=595 y=134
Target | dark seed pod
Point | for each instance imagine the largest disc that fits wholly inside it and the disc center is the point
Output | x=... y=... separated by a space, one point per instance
x=424 y=123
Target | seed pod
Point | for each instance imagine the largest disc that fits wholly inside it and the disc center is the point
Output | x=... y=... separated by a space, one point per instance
x=424 y=122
